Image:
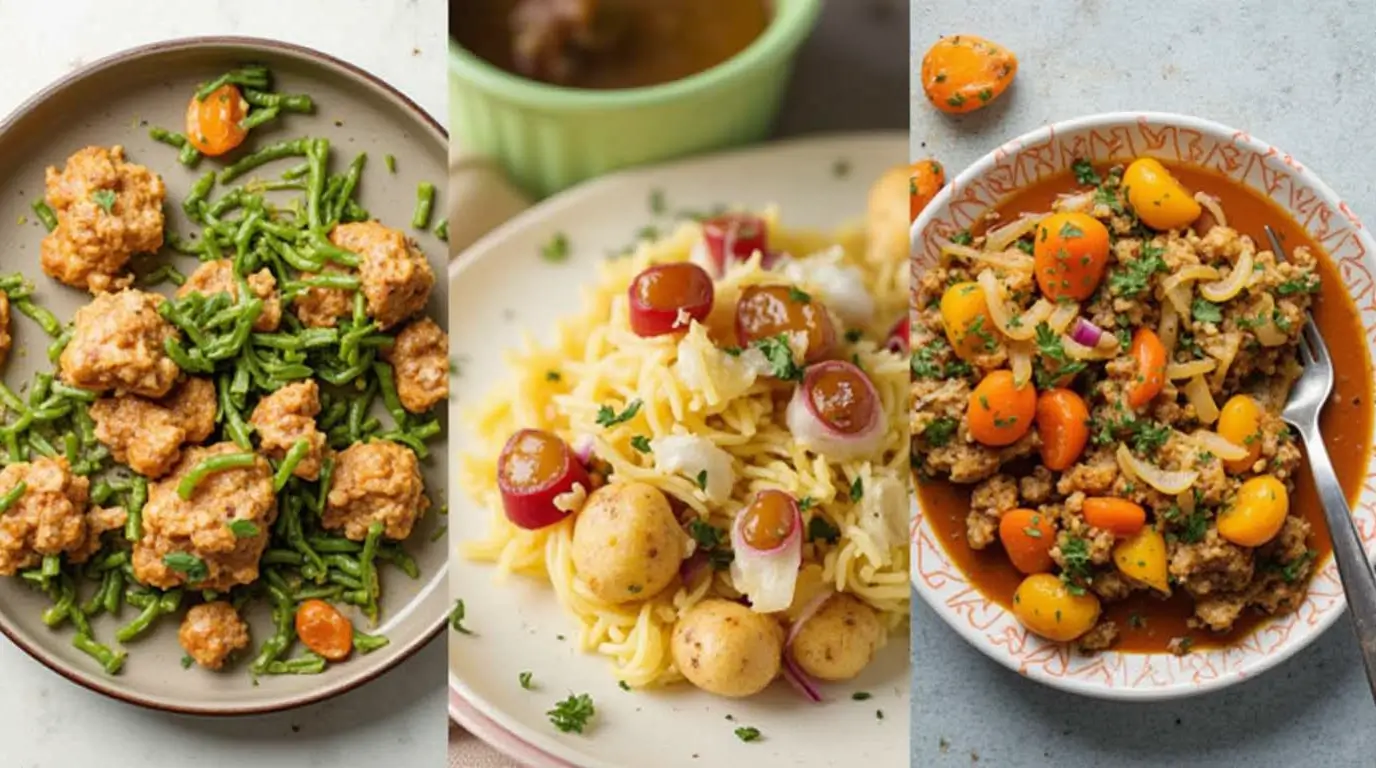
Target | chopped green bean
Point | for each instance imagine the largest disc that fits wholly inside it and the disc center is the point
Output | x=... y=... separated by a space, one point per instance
x=167 y=137
x=13 y=495
x=209 y=466
x=259 y=116
x=294 y=148
x=307 y=664
x=44 y=214
x=365 y=643
x=109 y=660
x=425 y=200
x=298 y=451
x=442 y=230
x=368 y=570
x=256 y=77
x=45 y=319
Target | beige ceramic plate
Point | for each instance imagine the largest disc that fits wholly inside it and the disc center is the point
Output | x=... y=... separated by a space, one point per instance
x=113 y=102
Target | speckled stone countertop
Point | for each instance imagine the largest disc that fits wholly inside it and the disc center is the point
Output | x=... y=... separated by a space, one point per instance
x=1299 y=75
x=398 y=720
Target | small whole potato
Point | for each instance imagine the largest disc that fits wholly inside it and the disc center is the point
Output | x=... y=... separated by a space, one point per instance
x=727 y=649
x=627 y=545
x=839 y=640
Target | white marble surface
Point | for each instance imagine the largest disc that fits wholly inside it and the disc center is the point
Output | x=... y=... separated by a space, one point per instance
x=399 y=720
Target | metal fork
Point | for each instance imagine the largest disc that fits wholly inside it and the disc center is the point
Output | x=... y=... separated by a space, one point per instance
x=1307 y=399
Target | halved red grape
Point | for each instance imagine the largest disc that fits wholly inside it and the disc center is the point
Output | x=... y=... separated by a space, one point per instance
x=536 y=467
x=659 y=294
x=766 y=311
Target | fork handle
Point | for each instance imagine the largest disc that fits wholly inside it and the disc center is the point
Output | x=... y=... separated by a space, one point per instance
x=1359 y=581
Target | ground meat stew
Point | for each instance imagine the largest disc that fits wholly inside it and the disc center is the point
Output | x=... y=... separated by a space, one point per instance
x=1098 y=373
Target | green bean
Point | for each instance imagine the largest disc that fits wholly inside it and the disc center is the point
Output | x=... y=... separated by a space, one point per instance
x=294 y=258
x=346 y=375
x=320 y=593
x=191 y=362
x=365 y=643
x=116 y=591
x=388 y=386
x=85 y=426
x=308 y=664
x=8 y=499
x=355 y=212
x=141 y=623
x=368 y=569
x=259 y=116
x=70 y=446
x=276 y=151
x=351 y=178
x=235 y=426
x=335 y=545
x=394 y=554
x=349 y=566
x=45 y=319
x=112 y=561
x=331 y=252
x=52 y=564
x=74 y=393
x=345 y=580
x=96 y=603
x=335 y=282
x=199 y=191
x=337 y=412
x=40 y=444
x=281 y=557
x=277 y=582
x=391 y=162
x=228 y=346
x=442 y=230
x=188 y=155
x=10 y=399
x=288 y=103
x=101 y=492
x=282 y=614
x=62 y=608
x=358 y=410
x=170 y=601
x=167 y=137
x=291 y=525
x=109 y=660
x=176 y=243
x=357 y=597
x=139 y=596
x=210 y=466
x=295 y=454
x=315 y=186
x=307 y=339
x=425 y=200
x=44 y=214
x=297 y=171
x=332 y=186
x=138 y=496
x=326 y=475
x=256 y=77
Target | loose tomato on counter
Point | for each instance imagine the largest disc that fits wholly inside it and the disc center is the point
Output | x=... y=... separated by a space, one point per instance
x=665 y=297
x=213 y=124
x=536 y=467
x=926 y=179
x=1157 y=197
x=1070 y=252
x=962 y=73
x=1000 y=412
x=1063 y=424
x=766 y=311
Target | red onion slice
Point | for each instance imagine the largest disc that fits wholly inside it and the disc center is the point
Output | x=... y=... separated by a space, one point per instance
x=815 y=433
x=809 y=610
x=531 y=506
x=733 y=238
x=801 y=680
x=898 y=337
x=1086 y=333
x=767 y=577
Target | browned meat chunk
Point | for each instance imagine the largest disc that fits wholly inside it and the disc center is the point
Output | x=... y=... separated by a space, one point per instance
x=211 y=632
x=375 y=482
x=420 y=359
x=117 y=344
x=50 y=518
x=396 y=277
x=217 y=276
x=148 y=435
x=286 y=416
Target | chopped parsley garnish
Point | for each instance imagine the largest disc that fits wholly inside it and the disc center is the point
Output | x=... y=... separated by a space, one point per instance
x=1075 y=565
x=777 y=351
x=819 y=528
x=1291 y=570
x=925 y=366
x=853 y=335
x=623 y=685
x=641 y=443
x=798 y=295
x=1004 y=423
x=607 y=417
x=939 y=432
x=1306 y=283
x=806 y=503
x=860 y=696
x=1134 y=278
x=187 y=661
x=557 y=249
x=456 y=617
x=190 y=566
x=841 y=168
x=657 y=204
x=1107 y=196
x=525 y=679
x=857 y=490
x=986 y=338
x=1136 y=621
x=1192 y=527
x=963 y=237
x=1049 y=346
x=711 y=540
x=701 y=480
x=1206 y=311
x=732 y=351
x=1070 y=231
x=243 y=529
x=748 y=734
x=553 y=376
x=1148 y=436
x=572 y=714
x=1084 y=172
x=956 y=100
x=104 y=198
x=1026 y=246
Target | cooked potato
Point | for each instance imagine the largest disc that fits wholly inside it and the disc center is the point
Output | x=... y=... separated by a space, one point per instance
x=839 y=640
x=727 y=649
x=627 y=545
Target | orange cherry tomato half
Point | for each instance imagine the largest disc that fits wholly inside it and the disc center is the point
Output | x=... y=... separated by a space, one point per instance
x=926 y=178
x=212 y=124
x=323 y=629
x=1027 y=537
x=1063 y=424
x=1070 y=254
x=1150 y=355
x=1000 y=412
x=1117 y=516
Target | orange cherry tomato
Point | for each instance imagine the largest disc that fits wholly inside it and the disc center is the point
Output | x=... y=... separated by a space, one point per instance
x=1000 y=412
x=1070 y=253
x=1028 y=536
x=212 y=124
x=926 y=178
x=963 y=73
x=1063 y=423
x=1150 y=355
x=323 y=629
x=1117 y=516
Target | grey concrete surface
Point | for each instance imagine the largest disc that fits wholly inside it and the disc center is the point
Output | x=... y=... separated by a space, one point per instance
x=1300 y=75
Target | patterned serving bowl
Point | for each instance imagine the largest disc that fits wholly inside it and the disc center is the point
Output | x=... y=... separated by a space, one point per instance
x=1247 y=161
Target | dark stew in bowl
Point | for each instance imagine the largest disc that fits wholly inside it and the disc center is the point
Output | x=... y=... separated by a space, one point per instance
x=1096 y=393
x=607 y=44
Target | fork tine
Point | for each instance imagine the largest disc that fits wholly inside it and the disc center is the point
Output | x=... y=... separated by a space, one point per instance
x=1319 y=349
x=1275 y=243
x=1306 y=355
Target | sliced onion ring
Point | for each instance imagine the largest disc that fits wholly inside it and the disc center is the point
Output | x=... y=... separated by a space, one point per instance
x=1165 y=481
x=1024 y=329
x=999 y=239
x=1086 y=333
x=1267 y=332
x=1197 y=392
x=1168 y=328
x=1189 y=370
x=800 y=680
x=1210 y=204
x=1230 y=286
x=1062 y=317
x=1020 y=360
x=1218 y=445
x=1079 y=202
x=1077 y=351
x=813 y=431
x=767 y=577
x=1016 y=262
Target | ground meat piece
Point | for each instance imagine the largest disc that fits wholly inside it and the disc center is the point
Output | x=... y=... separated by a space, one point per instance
x=98 y=521
x=4 y=326
x=988 y=502
x=107 y=210
x=147 y=435
x=211 y=632
x=395 y=275
x=1036 y=487
x=286 y=416
x=375 y=481
x=1218 y=611
x=1180 y=645
x=1111 y=585
x=217 y=276
x=1210 y=566
x=1101 y=638
x=420 y=359
x=117 y=344
x=200 y=526
x=322 y=307
x=1093 y=475
x=48 y=519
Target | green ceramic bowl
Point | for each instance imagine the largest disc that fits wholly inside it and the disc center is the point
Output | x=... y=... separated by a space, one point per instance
x=549 y=138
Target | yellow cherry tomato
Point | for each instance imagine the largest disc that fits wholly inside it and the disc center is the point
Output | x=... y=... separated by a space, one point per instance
x=1143 y=557
x=969 y=327
x=1240 y=424
x=1257 y=512
x=1044 y=604
x=1158 y=198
